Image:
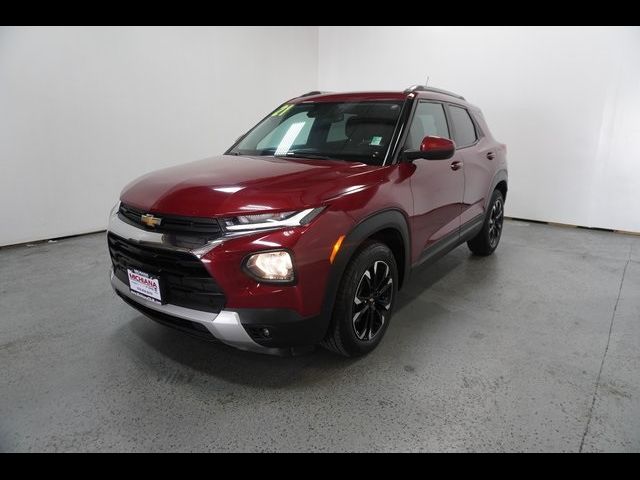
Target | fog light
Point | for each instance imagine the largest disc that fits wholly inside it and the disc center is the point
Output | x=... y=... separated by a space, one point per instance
x=265 y=332
x=271 y=266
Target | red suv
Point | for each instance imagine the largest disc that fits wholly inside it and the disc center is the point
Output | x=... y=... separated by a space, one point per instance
x=305 y=229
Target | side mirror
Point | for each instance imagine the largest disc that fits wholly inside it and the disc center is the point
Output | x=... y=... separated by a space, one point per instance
x=432 y=148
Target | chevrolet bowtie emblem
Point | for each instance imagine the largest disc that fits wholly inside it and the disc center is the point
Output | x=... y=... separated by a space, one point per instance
x=150 y=221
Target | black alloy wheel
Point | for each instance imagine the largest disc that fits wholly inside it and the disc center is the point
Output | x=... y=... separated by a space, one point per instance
x=372 y=302
x=496 y=219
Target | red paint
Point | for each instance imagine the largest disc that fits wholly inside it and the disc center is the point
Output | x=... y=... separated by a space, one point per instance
x=227 y=185
x=435 y=199
x=437 y=145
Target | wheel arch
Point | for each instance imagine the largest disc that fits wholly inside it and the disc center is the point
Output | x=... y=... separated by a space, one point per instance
x=499 y=182
x=390 y=227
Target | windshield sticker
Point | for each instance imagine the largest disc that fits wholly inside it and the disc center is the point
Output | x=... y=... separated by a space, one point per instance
x=282 y=110
x=289 y=138
x=376 y=141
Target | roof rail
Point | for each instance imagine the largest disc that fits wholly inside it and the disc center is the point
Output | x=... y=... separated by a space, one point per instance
x=313 y=92
x=422 y=88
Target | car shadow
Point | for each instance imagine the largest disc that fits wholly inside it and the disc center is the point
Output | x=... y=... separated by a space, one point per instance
x=159 y=348
x=424 y=277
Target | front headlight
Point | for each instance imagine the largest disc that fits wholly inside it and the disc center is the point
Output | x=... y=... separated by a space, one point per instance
x=270 y=220
x=274 y=266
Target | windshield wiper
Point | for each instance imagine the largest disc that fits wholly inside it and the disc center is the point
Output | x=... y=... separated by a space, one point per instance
x=308 y=155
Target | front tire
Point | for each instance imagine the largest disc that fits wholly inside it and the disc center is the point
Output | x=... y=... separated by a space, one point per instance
x=487 y=240
x=364 y=303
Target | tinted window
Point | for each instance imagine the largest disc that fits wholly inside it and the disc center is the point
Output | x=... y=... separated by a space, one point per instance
x=352 y=131
x=338 y=130
x=465 y=132
x=299 y=124
x=429 y=119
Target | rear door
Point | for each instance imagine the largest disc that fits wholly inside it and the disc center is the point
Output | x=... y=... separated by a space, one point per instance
x=437 y=185
x=477 y=151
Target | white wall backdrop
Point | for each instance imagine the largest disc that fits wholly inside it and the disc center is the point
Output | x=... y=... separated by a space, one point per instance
x=566 y=101
x=85 y=110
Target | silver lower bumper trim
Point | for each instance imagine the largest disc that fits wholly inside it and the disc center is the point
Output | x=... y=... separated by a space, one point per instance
x=225 y=326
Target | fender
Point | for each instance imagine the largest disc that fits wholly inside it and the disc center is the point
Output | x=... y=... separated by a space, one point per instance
x=377 y=222
x=501 y=175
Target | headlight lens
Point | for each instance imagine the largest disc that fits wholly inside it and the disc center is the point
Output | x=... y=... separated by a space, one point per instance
x=275 y=266
x=271 y=220
x=259 y=218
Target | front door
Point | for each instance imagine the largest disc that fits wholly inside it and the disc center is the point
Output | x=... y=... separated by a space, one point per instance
x=437 y=185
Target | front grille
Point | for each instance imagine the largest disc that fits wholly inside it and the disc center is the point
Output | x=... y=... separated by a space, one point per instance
x=195 y=226
x=183 y=279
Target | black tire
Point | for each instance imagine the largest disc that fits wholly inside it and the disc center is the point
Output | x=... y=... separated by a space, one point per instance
x=485 y=242
x=361 y=315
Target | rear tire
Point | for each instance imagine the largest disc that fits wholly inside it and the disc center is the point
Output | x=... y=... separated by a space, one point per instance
x=487 y=240
x=364 y=303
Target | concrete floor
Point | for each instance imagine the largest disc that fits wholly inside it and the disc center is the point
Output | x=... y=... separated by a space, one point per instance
x=534 y=348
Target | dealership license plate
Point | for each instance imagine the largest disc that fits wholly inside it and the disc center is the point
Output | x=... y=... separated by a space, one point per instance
x=144 y=285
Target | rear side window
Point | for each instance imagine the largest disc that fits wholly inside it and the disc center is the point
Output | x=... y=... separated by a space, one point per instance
x=464 y=130
x=430 y=120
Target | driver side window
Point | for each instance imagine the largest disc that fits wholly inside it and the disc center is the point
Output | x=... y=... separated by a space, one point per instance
x=429 y=119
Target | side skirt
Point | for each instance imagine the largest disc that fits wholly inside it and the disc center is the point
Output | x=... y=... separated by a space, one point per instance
x=454 y=239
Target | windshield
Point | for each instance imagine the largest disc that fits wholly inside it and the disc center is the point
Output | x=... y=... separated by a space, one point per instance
x=352 y=131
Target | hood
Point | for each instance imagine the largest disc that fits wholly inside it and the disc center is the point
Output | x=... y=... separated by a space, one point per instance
x=231 y=185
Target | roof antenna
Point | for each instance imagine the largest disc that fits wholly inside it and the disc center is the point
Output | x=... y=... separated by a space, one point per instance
x=427 y=82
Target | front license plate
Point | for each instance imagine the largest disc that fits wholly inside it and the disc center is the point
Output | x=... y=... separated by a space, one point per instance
x=144 y=285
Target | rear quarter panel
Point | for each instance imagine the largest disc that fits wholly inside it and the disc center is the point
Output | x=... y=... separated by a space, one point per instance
x=480 y=171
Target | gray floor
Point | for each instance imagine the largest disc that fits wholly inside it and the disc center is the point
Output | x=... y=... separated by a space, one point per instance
x=534 y=348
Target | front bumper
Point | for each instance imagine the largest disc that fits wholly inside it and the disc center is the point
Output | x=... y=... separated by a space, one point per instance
x=224 y=326
x=239 y=326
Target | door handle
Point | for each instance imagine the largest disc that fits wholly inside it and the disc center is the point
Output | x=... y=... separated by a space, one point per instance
x=457 y=165
x=491 y=155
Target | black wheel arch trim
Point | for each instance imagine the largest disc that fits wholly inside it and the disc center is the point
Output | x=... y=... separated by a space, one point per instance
x=500 y=176
x=377 y=222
